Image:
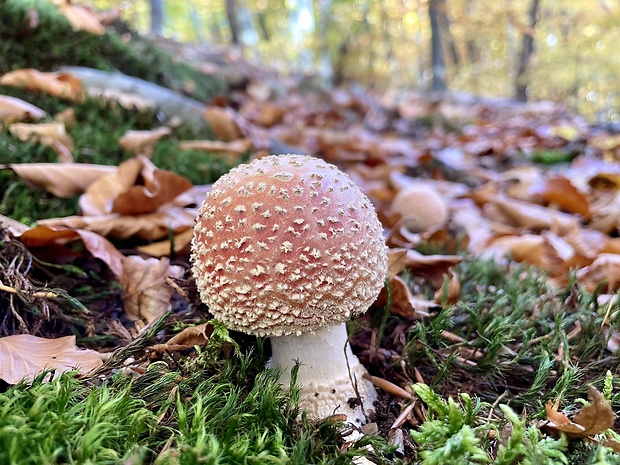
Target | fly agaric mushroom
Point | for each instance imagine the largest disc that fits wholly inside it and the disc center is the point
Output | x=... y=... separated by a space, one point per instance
x=289 y=247
x=421 y=207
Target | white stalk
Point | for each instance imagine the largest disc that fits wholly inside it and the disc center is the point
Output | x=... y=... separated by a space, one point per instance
x=328 y=374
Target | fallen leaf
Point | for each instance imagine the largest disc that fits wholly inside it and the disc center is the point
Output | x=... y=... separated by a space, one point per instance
x=592 y=419
x=559 y=190
x=222 y=123
x=450 y=290
x=97 y=245
x=82 y=19
x=233 y=149
x=124 y=99
x=179 y=244
x=25 y=356
x=14 y=227
x=62 y=85
x=62 y=180
x=51 y=134
x=143 y=142
x=431 y=267
x=146 y=296
x=604 y=269
x=186 y=339
x=138 y=187
x=396 y=261
x=150 y=226
x=13 y=109
x=403 y=302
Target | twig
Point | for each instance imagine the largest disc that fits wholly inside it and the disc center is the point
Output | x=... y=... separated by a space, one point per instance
x=36 y=295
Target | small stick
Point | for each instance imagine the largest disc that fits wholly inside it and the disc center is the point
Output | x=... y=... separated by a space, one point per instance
x=403 y=416
x=36 y=295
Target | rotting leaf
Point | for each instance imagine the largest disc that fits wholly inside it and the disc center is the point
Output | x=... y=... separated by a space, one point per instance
x=560 y=191
x=62 y=180
x=186 y=339
x=26 y=356
x=396 y=261
x=592 y=419
x=82 y=19
x=233 y=149
x=146 y=295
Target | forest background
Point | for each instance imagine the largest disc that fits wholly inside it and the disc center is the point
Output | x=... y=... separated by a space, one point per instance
x=561 y=50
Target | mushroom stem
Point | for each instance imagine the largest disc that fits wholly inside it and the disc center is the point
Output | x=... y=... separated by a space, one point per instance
x=328 y=375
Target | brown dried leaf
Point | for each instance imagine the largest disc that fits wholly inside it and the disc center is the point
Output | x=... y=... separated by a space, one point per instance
x=605 y=268
x=396 y=261
x=233 y=149
x=52 y=134
x=151 y=226
x=62 y=180
x=432 y=267
x=560 y=191
x=403 y=302
x=592 y=419
x=97 y=245
x=223 y=123
x=450 y=291
x=25 y=356
x=125 y=100
x=186 y=339
x=146 y=295
x=14 y=227
x=82 y=19
x=179 y=244
x=62 y=85
x=143 y=142
x=119 y=193
x=13 y=109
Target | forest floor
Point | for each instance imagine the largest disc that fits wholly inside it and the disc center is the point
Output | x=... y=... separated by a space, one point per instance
x=495 y=339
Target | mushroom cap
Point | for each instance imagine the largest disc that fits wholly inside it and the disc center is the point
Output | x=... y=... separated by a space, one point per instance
x=287 y=244
x=422 y=206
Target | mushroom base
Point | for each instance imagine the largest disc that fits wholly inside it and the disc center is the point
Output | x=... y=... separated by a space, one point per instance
x=330 y=375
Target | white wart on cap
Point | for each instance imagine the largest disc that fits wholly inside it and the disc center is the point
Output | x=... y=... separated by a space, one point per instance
x=287 y=244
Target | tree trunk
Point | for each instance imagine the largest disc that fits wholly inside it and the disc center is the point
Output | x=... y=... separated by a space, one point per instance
x=437 y=61
x=527 y=49
x=157 y=17
x=444 y=25
x=233 y=21
x=470 y=43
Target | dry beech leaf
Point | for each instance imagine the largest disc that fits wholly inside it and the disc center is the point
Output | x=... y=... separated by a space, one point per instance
x=143 y=142
x=125 y=100
x=605 y=268
x=396 y=261
x=97 y=245
x=431 y=267
x=592 y=419
x=82 y=19
x=223 y=123
x=233 y=149
x=52 y=134
x=62 y=85
x=403 y=302
x=13 y=109
x=118 y=193
x=146 y=296
x=186 y=339
x=13 y=226
x=450 y=291
x=62 y=180
x=179 y=244
x=560 y=191
x=151 y=226
x=25 y=356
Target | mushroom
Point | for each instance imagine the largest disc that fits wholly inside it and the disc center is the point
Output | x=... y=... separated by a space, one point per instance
x=289 y=247
x=421 y=207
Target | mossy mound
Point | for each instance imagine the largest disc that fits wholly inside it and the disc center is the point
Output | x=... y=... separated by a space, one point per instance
x=50 y=43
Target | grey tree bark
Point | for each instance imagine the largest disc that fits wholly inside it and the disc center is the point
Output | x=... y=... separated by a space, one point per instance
x=437 y=61
x=527 y=50
x=157 y=17
x=233 y=21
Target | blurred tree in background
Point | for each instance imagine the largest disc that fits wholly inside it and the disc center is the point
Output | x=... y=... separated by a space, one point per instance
x=529 y=49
